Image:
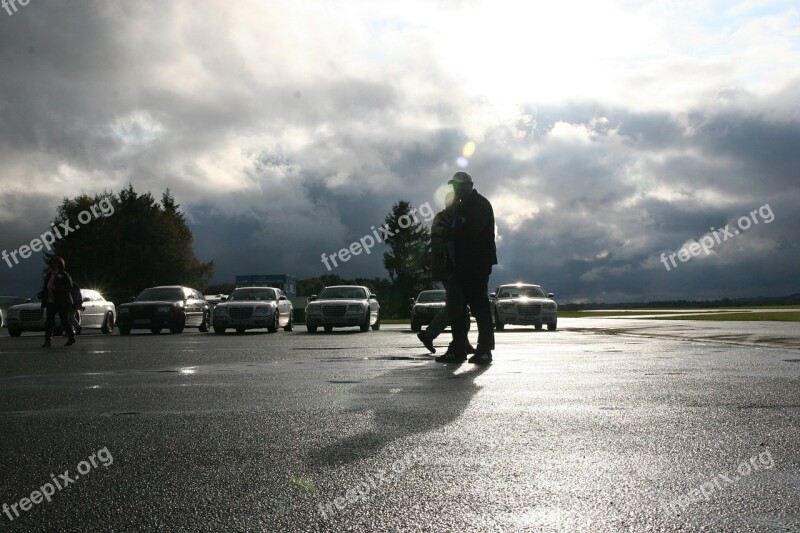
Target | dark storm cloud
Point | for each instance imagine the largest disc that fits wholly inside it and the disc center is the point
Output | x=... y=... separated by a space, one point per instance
x=280 y=150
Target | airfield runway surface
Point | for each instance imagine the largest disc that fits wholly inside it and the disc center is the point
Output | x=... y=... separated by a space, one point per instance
x=602 y=425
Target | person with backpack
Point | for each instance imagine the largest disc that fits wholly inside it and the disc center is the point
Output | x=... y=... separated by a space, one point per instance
x=56 y=298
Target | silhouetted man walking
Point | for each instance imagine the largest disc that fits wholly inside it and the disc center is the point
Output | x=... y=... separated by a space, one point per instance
x=471 y=237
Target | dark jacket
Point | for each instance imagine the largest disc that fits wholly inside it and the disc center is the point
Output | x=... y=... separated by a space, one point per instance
x=472 y=235
x=61 y=293
x=440 y=262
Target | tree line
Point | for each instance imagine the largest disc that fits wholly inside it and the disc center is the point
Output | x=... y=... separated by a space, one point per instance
x=146 y=242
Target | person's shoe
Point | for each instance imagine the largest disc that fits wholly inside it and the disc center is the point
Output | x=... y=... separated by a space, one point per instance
x=427 y=341
x=481 y=357
x=469 y=349
x=70 y=341
x=46 y=343
x=452 y=357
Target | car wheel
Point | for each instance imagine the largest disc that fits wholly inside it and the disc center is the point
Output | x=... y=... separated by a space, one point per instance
x=377 y=325
x=108 y=323
x=272 y=328
x=204 y=324
x=415 y=326
x=218 y=330
x=328 y=329
x=365 y=325
x=552 y=325
x=14 y=332
x=289 y=325
x=311 y=329
x=240 y=330
x=538 y=327
x=124 y=331
x=498 y=324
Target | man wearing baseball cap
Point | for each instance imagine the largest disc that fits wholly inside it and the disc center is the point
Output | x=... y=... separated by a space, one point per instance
x=471 y=239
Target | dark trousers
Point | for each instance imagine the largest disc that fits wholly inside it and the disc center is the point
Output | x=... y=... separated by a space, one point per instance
x=63 y=316
x=470 y=289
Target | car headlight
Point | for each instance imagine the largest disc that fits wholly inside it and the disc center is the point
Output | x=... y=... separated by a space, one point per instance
x=13 y=313
x=221 y=311
x=313 y=310
x=123 y=310
x=261 y=311
x=355 y=308
x=164 y=308
x=549 y=306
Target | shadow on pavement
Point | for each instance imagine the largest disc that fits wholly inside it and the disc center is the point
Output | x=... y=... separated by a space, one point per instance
x=405 y=401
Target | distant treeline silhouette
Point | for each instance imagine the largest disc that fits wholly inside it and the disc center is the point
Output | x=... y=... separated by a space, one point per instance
x=794 y=299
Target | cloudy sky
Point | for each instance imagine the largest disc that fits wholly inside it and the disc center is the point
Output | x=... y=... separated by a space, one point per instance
x=604 y=133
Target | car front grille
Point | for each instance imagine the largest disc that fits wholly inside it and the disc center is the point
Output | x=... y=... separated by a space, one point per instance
x=31 y=315
x=334 y=311
x=529 y=309
x=142 y=311
x=240 y=312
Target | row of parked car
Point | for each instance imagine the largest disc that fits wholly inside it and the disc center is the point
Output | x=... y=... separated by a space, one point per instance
x=516 y=303
x=175 y=308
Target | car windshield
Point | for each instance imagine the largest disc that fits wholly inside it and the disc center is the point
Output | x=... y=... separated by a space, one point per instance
x=251 y=295
x=432 y=296
x=337 y=293
x=521 y=292
x=159 y=294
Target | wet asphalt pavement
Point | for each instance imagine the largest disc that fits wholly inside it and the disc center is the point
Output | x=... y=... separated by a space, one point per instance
x=589 y=428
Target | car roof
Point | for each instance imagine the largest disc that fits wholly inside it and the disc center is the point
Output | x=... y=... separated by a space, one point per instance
x=348 y=286
x=254 y=287
x=519 y=285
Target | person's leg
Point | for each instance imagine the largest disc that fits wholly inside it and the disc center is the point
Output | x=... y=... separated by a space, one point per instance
x=456 y=309
x=63 y=316
x=477 y=296
x=438 y=324
x=49 y=322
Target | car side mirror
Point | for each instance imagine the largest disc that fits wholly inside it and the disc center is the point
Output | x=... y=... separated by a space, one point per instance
x=283 y=298
x=132 y=299
x=411 y=301
x=28 y=300
x=312 y=297
x=492 y=295
x=373 y=297
x=87 y=299
x=551 y=295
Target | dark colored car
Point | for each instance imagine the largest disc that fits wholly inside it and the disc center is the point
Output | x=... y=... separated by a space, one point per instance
x=425 y=307
x=172 y=307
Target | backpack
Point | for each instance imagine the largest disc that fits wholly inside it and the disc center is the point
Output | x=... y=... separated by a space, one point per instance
x=77 y=298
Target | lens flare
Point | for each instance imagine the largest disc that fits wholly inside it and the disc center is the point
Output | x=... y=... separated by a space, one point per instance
x=462 y=162
x=469 y=149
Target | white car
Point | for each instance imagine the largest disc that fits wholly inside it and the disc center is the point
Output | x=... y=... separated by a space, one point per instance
x=254 y=307
x=523 y=304
x=97 y=313
x=342 y=306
